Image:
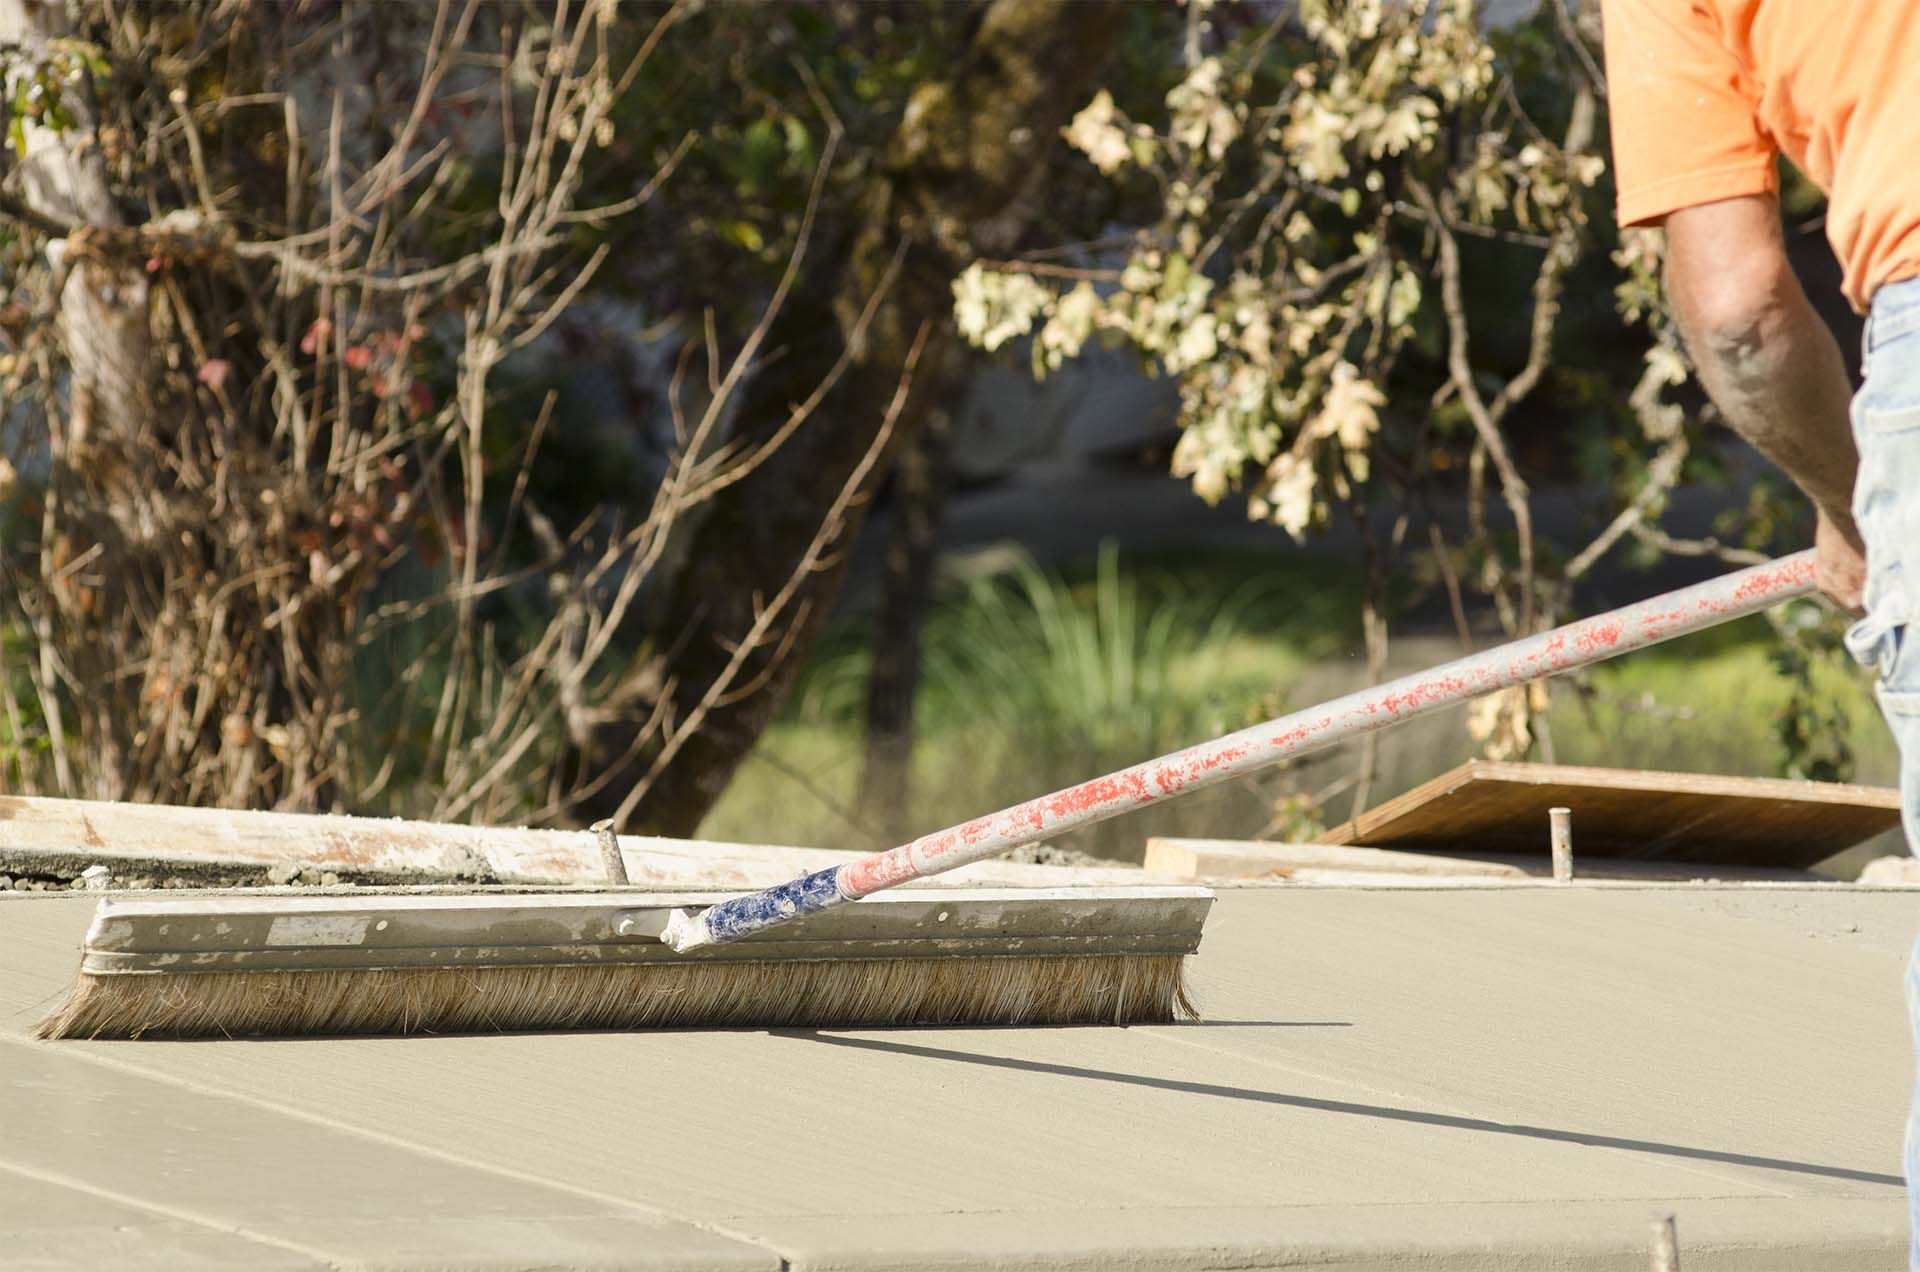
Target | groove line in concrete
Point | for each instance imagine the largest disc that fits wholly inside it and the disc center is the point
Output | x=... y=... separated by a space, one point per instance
x=86 y=1052
x=175 y=1213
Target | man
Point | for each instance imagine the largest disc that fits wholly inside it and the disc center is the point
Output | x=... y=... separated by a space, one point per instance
x=1704 y=94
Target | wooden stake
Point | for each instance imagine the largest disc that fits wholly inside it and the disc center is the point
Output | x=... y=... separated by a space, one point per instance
x=1666 y=1245
x=1560 y=832
x=610 y=851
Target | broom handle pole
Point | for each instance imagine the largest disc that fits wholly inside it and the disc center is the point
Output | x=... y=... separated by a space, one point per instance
x=1566 y=648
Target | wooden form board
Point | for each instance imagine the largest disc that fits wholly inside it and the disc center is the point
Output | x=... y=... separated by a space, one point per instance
x=68 y=835
x=1339 y=865
x=1487 y=807
x=1246 y=859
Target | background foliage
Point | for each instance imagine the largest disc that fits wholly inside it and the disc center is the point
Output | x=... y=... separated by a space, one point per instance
x=470 y=410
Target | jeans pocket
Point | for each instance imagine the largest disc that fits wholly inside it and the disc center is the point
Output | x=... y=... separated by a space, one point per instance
x=1885 y=647
x=1899 y=671
x=1877 y=420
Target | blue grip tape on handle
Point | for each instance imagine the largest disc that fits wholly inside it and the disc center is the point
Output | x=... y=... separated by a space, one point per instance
x=741 y=915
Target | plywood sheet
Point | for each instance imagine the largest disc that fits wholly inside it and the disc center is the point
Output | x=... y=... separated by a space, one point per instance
x=1484 y=806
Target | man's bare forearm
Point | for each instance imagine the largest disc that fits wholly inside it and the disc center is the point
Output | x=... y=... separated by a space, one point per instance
x=1767 y=359
x=1779 y=380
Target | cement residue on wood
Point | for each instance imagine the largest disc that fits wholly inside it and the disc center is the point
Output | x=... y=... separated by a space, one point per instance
x=58 y=839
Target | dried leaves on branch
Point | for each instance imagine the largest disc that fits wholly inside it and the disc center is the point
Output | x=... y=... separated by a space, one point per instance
x=1328 y=186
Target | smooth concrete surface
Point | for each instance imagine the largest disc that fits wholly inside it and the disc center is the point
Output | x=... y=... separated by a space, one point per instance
x=1446 y=1079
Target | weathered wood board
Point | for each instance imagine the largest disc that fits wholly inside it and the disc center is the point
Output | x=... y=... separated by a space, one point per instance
x=66 y=836
x=1487 y=807
x=1338 y=865
x=1249 y=859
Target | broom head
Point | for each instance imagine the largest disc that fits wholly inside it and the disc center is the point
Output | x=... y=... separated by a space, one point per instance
x=248 y=964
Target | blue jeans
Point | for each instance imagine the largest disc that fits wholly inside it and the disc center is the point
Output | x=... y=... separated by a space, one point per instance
x=1886 y=503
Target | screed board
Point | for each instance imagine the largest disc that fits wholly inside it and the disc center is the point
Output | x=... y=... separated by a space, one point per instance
x=1484 y=806
x=40 y=835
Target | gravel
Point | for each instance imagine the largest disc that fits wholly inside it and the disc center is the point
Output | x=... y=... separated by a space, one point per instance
x=1049 y=855
x=99 y=878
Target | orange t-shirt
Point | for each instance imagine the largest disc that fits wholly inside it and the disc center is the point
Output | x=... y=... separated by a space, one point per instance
x=1703 y=93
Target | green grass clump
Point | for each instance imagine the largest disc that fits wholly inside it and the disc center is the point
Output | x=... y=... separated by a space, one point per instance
x=1031 y=682
x=1711 y=704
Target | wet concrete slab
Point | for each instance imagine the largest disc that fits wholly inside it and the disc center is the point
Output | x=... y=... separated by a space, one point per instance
x=60 y=1225
x=1444 y=1079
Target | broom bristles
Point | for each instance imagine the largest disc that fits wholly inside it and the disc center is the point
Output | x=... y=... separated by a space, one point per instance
x=1006 y=990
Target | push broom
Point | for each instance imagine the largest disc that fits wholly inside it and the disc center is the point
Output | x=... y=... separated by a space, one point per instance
x=801 y=953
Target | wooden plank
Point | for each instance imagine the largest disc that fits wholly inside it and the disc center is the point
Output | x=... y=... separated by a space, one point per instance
x=1629 y=813
x=65 y=833
x=1218 y=860
x=1244 y=859
x=64 y=836
x=1892 y=872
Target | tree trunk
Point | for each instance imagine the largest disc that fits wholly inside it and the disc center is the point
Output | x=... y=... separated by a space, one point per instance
x=919 y=497
x=103 y=307
x=103 y=323
x=957 y=179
